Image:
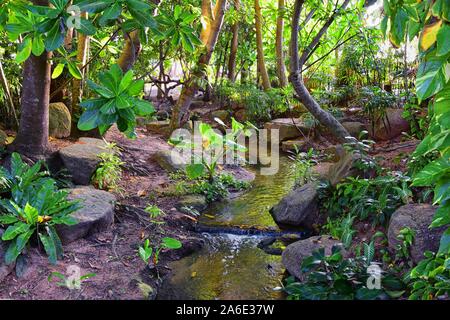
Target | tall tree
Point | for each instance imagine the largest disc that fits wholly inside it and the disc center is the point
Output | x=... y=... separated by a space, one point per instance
x=259 y=48
x=297 y=63
x=32 y=136
x=281 y=67
x=212 y=24
x=234 y=46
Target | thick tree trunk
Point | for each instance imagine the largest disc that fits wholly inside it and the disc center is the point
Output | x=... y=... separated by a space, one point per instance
x=130 y=51
x=210 y=33
x=281 y=67
x=234 y=47
x=296 y=65
x=259 y=48
x=32 y=136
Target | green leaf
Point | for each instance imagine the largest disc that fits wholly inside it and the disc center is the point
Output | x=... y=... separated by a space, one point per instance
x=16 y=246
x=74 y=70
x=136 y=88
x=55 y=37
x=49 y=247
x=143 y=108
x=444 y=246
x=367 y=294
x=431 y=172
x=25 y=52
x=58 y=70
x=171 y=243
x=86 y=27
x=441 y=216
x=31 y=214
x=88 y=120
x=112 y=13
x=14 y=230
x=430 y=78
x=38 y=46
x=443 y=43
x=195 y=170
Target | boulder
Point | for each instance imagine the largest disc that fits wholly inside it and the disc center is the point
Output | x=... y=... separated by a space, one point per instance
x=240 y=115
x=390 y=126
x=342 y=169
x=196 y=201
x=294 y=253
x=170 y=160
x=418 y=217
x=335 y=152
x=322 y=169
x=59 y=120
x=5 y=269
x=160 y=126
x=223 y=115
x=96 y=214
x=3 y=137
x=298 y=208
x=354 y=127
x=287 y=128
x=297 y=144
x=81 y=158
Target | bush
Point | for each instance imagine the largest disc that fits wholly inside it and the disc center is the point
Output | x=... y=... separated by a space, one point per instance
x=34 y=206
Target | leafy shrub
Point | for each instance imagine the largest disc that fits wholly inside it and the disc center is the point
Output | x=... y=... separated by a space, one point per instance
x=147 y=252
x=375 y=101
x=109 y=170
x=117 y=102
x=260 y=106
x=430 y=279
x=35 y=206
x=335 y=278
x=375 y=199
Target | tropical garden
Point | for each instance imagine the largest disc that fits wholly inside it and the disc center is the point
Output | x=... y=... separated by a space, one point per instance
x=174 y=149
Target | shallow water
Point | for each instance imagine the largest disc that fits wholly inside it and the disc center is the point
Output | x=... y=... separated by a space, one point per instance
x=232 y=266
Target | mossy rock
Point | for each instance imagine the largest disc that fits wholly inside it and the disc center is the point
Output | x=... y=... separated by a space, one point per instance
x=59 y=120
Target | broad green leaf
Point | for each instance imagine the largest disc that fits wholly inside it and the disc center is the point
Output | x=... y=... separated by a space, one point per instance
x=86 y=27
x=430 y=78
x=111 y=13
x=88 y=120
x=74 y=70
x=38 y=46
x=49 y=247
x=58 y=70
x=25 y=52
x=431 y=172
x=443 y=42
x=14 y=230
x=171 y=243
x=195 y=170
x=55 y=37
x=429 y=35
x=143 y=108
x=444 y=246
x=136 y=88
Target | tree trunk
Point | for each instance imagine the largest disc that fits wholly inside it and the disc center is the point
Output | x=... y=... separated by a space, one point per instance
x=210 y=33
x=281 y=67
x=32 y=136
x=130 y=51
x=259 y=48
x=234 y=47
x=296 y=78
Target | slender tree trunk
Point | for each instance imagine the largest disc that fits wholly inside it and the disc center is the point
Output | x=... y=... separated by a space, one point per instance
x=32 y=136
x=259 y=48
x=130 y=51
x=5 y=85
x=234 y=46
x=213 y=20
x=281 y=67
x=296 y=78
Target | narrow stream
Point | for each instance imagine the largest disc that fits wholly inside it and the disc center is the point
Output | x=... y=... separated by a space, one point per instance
x=231 y=266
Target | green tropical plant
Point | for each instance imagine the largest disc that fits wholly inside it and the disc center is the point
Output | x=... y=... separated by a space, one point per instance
x=333 y=277
x=146 y=251
x=109 y=171
x=35 y=206
x=117 y=102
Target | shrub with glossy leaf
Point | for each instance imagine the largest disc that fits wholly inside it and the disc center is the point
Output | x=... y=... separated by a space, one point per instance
x=35 y=207
x=332 y=277
x=118 y=101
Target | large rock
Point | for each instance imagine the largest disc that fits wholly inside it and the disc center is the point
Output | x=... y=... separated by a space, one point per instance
x=3 y=137
x=354 y=127
x=170 y=160
x=59 y=120
x=296 y=145
x=160 y=127
x=81 y=158
x=391 y=126
x=240 y=115
x=196 y=201
x=344 y=168
x=418 y=217
x=294 y=253
x=96 y=214
x=5 y=269
x=287 y=128
x=298 y=208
